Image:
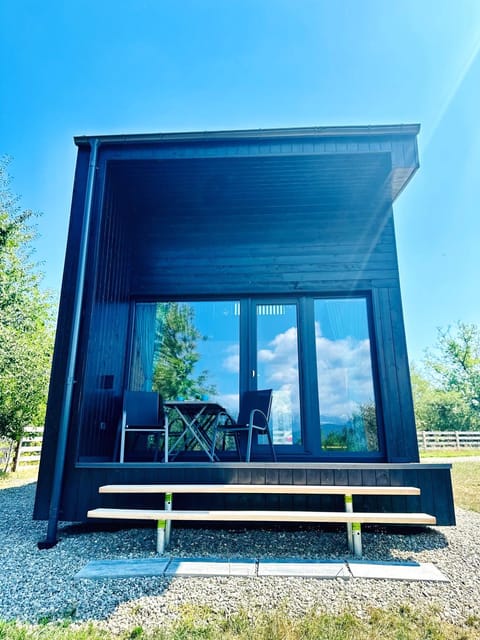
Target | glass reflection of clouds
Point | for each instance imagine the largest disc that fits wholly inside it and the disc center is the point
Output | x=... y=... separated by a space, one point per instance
x=345 y=378
x=220 y=353
x=277 y=362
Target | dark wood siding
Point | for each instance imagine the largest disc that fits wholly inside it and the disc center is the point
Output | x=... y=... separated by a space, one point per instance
x=241 y=226
x=401 y=436
x=395 y=388
x=105 y=333
x=81 y=486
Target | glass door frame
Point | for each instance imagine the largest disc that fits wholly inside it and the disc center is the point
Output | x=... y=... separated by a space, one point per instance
x=249 y=368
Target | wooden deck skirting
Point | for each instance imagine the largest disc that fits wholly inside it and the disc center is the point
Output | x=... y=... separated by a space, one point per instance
x=353 y=520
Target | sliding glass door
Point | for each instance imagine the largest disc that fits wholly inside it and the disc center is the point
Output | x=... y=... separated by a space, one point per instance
x=277 y=368
x=345 y=380
x=316 y=354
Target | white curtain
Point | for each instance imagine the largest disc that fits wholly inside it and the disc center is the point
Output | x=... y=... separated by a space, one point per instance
x=141 y=378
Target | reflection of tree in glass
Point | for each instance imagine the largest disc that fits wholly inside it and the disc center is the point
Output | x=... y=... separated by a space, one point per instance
x=359 y=434
x=335 y=440
x=364 y=425
x=177 y=355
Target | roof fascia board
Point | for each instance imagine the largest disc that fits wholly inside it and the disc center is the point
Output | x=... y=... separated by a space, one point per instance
x=256 y=134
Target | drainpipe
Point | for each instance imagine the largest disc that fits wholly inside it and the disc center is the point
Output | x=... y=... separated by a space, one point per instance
x=51 y=539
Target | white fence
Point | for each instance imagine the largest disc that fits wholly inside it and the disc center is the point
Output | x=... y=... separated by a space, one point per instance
x=14 y=455
x=448 y=439
x=7 y=453
x=27 y=452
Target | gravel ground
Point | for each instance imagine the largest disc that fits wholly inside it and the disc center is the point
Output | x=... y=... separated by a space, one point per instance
x=36 y=585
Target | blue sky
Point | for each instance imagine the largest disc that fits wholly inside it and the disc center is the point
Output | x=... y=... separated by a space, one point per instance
x=88 y=67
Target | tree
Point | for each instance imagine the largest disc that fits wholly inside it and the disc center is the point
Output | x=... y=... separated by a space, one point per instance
x=26 y=319
x=447 y=393
x=437 y=409
x=177 y=354
x=455 y=362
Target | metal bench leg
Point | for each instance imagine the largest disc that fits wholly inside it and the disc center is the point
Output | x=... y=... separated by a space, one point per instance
x=168 y=528
x=161 y=536
x=164 y=527
x=354 y=530
x=357 y=539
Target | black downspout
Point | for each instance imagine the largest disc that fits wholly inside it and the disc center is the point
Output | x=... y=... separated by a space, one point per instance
x=51 y=539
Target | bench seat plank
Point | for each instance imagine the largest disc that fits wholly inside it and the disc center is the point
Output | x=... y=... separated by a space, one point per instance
x=261 y=488
x=264 y=516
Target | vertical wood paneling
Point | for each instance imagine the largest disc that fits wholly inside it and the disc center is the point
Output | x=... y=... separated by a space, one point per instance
x=408 y=449
x=105 y=341
x=444 y=509
x=395 y=391
x=81 y=491
x=340 y=476
x=354 y=477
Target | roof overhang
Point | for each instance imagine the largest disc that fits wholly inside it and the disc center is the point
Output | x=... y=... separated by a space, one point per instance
x=370 y=162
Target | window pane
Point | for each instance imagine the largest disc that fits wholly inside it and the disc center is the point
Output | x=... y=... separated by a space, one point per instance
x=187 y=350
x=345 y=379
x=277 y=369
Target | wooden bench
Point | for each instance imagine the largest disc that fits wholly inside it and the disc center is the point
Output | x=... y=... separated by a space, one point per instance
x=352 y=519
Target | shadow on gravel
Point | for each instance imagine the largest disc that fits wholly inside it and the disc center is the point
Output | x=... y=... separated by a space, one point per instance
x=50 y=574
x=303 y=541
x=380 y=542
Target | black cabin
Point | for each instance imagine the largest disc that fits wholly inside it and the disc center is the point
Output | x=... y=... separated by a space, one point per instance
x=207 y=264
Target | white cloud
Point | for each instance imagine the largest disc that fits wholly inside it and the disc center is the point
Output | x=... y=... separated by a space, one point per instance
x=231 y=362
x=344 y=376
x=344 y=373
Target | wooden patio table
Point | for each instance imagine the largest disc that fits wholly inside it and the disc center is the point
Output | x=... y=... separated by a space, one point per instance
x=197 y=417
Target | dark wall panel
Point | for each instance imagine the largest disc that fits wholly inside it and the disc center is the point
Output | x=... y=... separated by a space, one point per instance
x=81 y=487
x=248 y=225
x=105 y=336
x=284 y=262
x=395 y=389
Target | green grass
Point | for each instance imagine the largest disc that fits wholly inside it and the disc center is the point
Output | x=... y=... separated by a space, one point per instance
x=449 y=453
x=22 y=476
x=466 y=485
x=199 y=622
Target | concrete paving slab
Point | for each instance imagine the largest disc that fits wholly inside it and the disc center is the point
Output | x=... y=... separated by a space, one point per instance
x=303 y=568
x=210 y=567
x=425 y=571
x=127 y=568
x=286 y=567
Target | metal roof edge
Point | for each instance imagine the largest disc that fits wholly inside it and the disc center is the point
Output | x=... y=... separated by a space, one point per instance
x=245 y=134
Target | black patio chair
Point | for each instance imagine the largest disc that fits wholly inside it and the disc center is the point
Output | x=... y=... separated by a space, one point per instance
x=252 y=419
x=143 y=413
